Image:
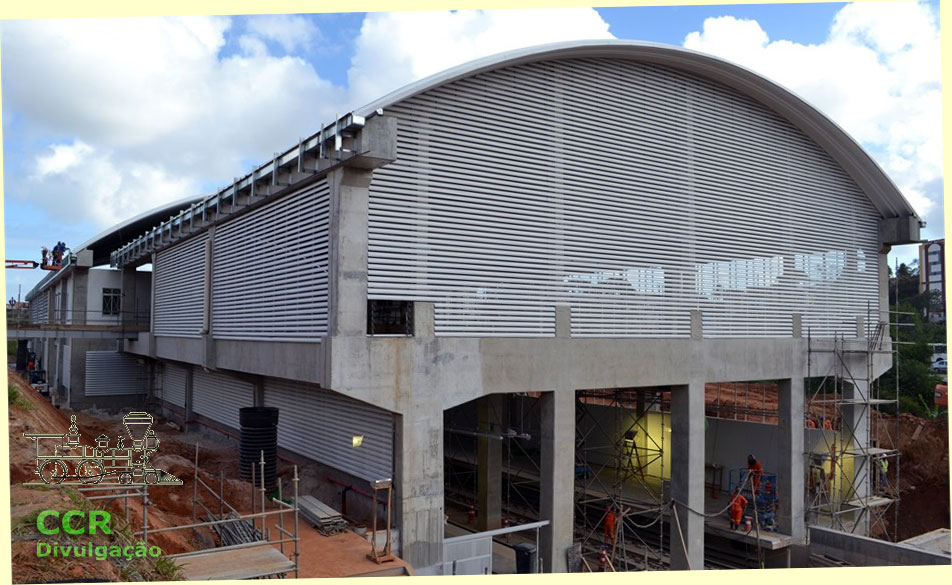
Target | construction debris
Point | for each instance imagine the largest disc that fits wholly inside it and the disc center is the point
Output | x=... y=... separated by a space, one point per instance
x=326 y=519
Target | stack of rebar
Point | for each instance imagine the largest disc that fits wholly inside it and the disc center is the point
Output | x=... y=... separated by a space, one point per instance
x=232 y=533
x=326 y=519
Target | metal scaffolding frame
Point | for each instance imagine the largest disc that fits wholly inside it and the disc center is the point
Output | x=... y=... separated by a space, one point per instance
x=847 y=487
x=623 y=464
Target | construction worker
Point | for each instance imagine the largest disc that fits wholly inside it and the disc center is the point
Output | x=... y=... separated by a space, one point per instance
x=827 y=424
x=810 y=424
x=43 y=256
x=883 y=470
x=609 y=526
x=755 y=470
x=738 y=505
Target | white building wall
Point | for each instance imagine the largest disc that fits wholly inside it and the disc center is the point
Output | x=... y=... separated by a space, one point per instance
x=100 y=279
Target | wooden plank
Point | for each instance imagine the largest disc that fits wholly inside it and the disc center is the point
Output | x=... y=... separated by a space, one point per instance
x=246 y=563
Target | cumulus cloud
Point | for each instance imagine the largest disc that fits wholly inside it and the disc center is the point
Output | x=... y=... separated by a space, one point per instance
x=396 y=48
x=877 y=75
x=152 y=108
x=290 y=31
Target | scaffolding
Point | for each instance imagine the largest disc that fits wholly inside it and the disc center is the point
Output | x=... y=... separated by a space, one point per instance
x=853 y=469
x=619 y=470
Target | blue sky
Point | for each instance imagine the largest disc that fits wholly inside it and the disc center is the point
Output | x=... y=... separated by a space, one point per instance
x=103 y=119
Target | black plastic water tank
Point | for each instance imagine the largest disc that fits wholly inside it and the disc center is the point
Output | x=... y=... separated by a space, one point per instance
x=259 y=432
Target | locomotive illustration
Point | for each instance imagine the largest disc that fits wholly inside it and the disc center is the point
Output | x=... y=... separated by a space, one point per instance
x=74 y=463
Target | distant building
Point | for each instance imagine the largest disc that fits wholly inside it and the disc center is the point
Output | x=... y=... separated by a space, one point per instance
x=932 y=275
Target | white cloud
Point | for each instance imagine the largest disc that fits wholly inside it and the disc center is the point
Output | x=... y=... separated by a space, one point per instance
x=877 y=75
x=396 y=48
x=63 y=158
x=151 y=100
x=151 y=109
x=290 y=31
x=76 y=181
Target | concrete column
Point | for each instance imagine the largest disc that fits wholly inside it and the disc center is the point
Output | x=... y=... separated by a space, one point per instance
x=855 y=429
x=489 y=462
x=790 y=476
x=687 y=475
x=347 y=270
x=418 y=481
x=130 y=312
x=557 y=481
x=77 y=304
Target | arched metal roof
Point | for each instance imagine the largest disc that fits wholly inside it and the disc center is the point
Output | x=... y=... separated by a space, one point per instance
x=110 y=239
x=880 y=189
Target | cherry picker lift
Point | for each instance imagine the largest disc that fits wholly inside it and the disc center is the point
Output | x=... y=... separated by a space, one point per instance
x=49 y=261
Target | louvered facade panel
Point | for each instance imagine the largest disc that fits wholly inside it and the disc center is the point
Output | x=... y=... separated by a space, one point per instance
x=633 y=192
x=110 y=373
x=173 y=384
x=39 y=308
x=321 y=425
x=179 y=274
x=270 y=270
x=218 y=396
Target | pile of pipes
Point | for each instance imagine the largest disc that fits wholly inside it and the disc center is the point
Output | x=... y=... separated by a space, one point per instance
x=326 y=519
x=232 y=533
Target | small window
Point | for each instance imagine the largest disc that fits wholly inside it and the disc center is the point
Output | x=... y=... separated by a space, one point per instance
x=389 y=318
x=111 y=301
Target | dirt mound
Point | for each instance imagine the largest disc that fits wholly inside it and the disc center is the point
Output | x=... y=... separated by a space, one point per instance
x=924 y=471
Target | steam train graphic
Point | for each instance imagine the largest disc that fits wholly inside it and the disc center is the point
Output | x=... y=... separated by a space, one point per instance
x=73 y=463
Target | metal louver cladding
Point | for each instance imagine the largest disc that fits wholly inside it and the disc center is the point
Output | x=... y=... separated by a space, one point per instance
x=321 y=425
x=39 y=308
x=218 y=396
x=179 y=274
x=173 y=384
x=269 y=275
x=110 y=373
x=632 y=192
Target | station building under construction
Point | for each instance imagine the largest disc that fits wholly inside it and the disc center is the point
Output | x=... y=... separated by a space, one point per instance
x=546 y=286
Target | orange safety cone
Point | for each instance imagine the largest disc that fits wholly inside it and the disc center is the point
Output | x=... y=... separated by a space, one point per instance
x=603 y=559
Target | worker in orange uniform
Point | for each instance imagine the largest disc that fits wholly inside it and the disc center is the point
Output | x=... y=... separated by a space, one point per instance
x=810 y=424
x=738 y=505
x=609 y=525
x=755 y=470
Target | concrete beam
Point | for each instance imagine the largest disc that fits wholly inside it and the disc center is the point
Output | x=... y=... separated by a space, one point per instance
x=791 y=448
x=557 y=479
x=894 y=231
x=687 y=476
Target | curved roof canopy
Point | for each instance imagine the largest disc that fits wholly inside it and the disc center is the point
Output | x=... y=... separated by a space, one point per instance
x=114 y=237
x=880 y=189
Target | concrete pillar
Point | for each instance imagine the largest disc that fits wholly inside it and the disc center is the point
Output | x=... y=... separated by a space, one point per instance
x=348 y=240
x=557 y=481
x=489 y=462
x=418 y=481
x=687 y=475
x=77 y=311
x=790 y=475
x=130 y=311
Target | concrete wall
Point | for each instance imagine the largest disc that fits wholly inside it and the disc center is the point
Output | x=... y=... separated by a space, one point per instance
x=869 y=552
